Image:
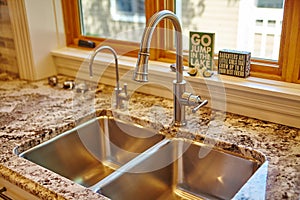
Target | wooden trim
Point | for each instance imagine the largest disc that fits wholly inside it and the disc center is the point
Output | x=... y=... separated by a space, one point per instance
x=166 y=31
x=22 y=40
x=71 y=20
x=157 y=41
x=265 y=69
x=122 y=47
x=290 y=41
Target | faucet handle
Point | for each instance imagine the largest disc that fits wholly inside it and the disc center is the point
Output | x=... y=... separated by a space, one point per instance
x=173 y=67
x=189 y=99
x=201 y=104
x=123 y=95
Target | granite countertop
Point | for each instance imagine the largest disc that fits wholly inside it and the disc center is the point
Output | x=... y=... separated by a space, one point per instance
x=32 y=112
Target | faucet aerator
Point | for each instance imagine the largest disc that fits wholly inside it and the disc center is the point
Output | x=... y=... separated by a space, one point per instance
x=140 y=77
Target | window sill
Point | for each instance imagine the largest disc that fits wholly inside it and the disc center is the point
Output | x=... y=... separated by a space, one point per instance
x=263 y=99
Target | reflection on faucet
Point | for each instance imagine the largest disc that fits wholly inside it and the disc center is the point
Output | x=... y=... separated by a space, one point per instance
x=181 y=98
x=120 y=96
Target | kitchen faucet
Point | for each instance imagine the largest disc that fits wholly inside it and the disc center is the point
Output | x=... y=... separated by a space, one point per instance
x=181 y=97
x=120 y=96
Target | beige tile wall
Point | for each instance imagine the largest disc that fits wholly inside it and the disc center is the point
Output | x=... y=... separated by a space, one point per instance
x=8 y=58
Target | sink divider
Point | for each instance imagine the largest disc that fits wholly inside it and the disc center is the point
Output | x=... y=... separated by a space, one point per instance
x=105 y=139
x=128 y=166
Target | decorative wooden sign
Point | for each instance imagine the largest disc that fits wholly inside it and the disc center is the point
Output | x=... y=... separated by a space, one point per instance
x=201 y=50
x=234 y=63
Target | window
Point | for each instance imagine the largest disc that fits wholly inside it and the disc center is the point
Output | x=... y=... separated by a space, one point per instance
x=238 y=25
x=281 y=65
x=113 y=19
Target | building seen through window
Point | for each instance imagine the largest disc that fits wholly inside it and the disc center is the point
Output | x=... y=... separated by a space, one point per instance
x=250 y=25
x=113 y=19
x=270 y=3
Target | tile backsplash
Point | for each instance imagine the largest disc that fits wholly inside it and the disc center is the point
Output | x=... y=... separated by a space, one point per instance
x=8 y=58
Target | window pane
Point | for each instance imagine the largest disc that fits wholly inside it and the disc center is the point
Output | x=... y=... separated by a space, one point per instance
x=113 y=19
x=270 y=3
x=248 y=25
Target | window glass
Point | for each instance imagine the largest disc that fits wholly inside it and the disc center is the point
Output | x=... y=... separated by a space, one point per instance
x=270 y=3
x=249 y=25
x=113 y=19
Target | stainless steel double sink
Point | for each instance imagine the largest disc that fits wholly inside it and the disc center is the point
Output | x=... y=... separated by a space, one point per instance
x=126 y=161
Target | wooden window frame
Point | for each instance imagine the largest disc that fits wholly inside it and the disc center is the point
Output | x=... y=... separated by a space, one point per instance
x=286 y=69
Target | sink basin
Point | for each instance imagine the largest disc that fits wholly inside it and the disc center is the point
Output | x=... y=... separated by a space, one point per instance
x=93 y=150
x=181 y=169
x=126 y=161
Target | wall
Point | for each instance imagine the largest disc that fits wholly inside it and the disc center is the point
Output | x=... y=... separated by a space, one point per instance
x=43 y=35
x=35 y=29
x=8 y=58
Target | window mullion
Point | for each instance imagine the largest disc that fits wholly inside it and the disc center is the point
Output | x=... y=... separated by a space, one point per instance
x=290 y=42
x=72 y=27
x=161 y=37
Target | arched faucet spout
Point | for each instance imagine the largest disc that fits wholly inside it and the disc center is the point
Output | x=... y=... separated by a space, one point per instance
x=96 y=51
x=118 y=91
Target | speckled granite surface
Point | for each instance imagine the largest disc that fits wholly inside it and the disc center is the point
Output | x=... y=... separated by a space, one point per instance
x=32 y=112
